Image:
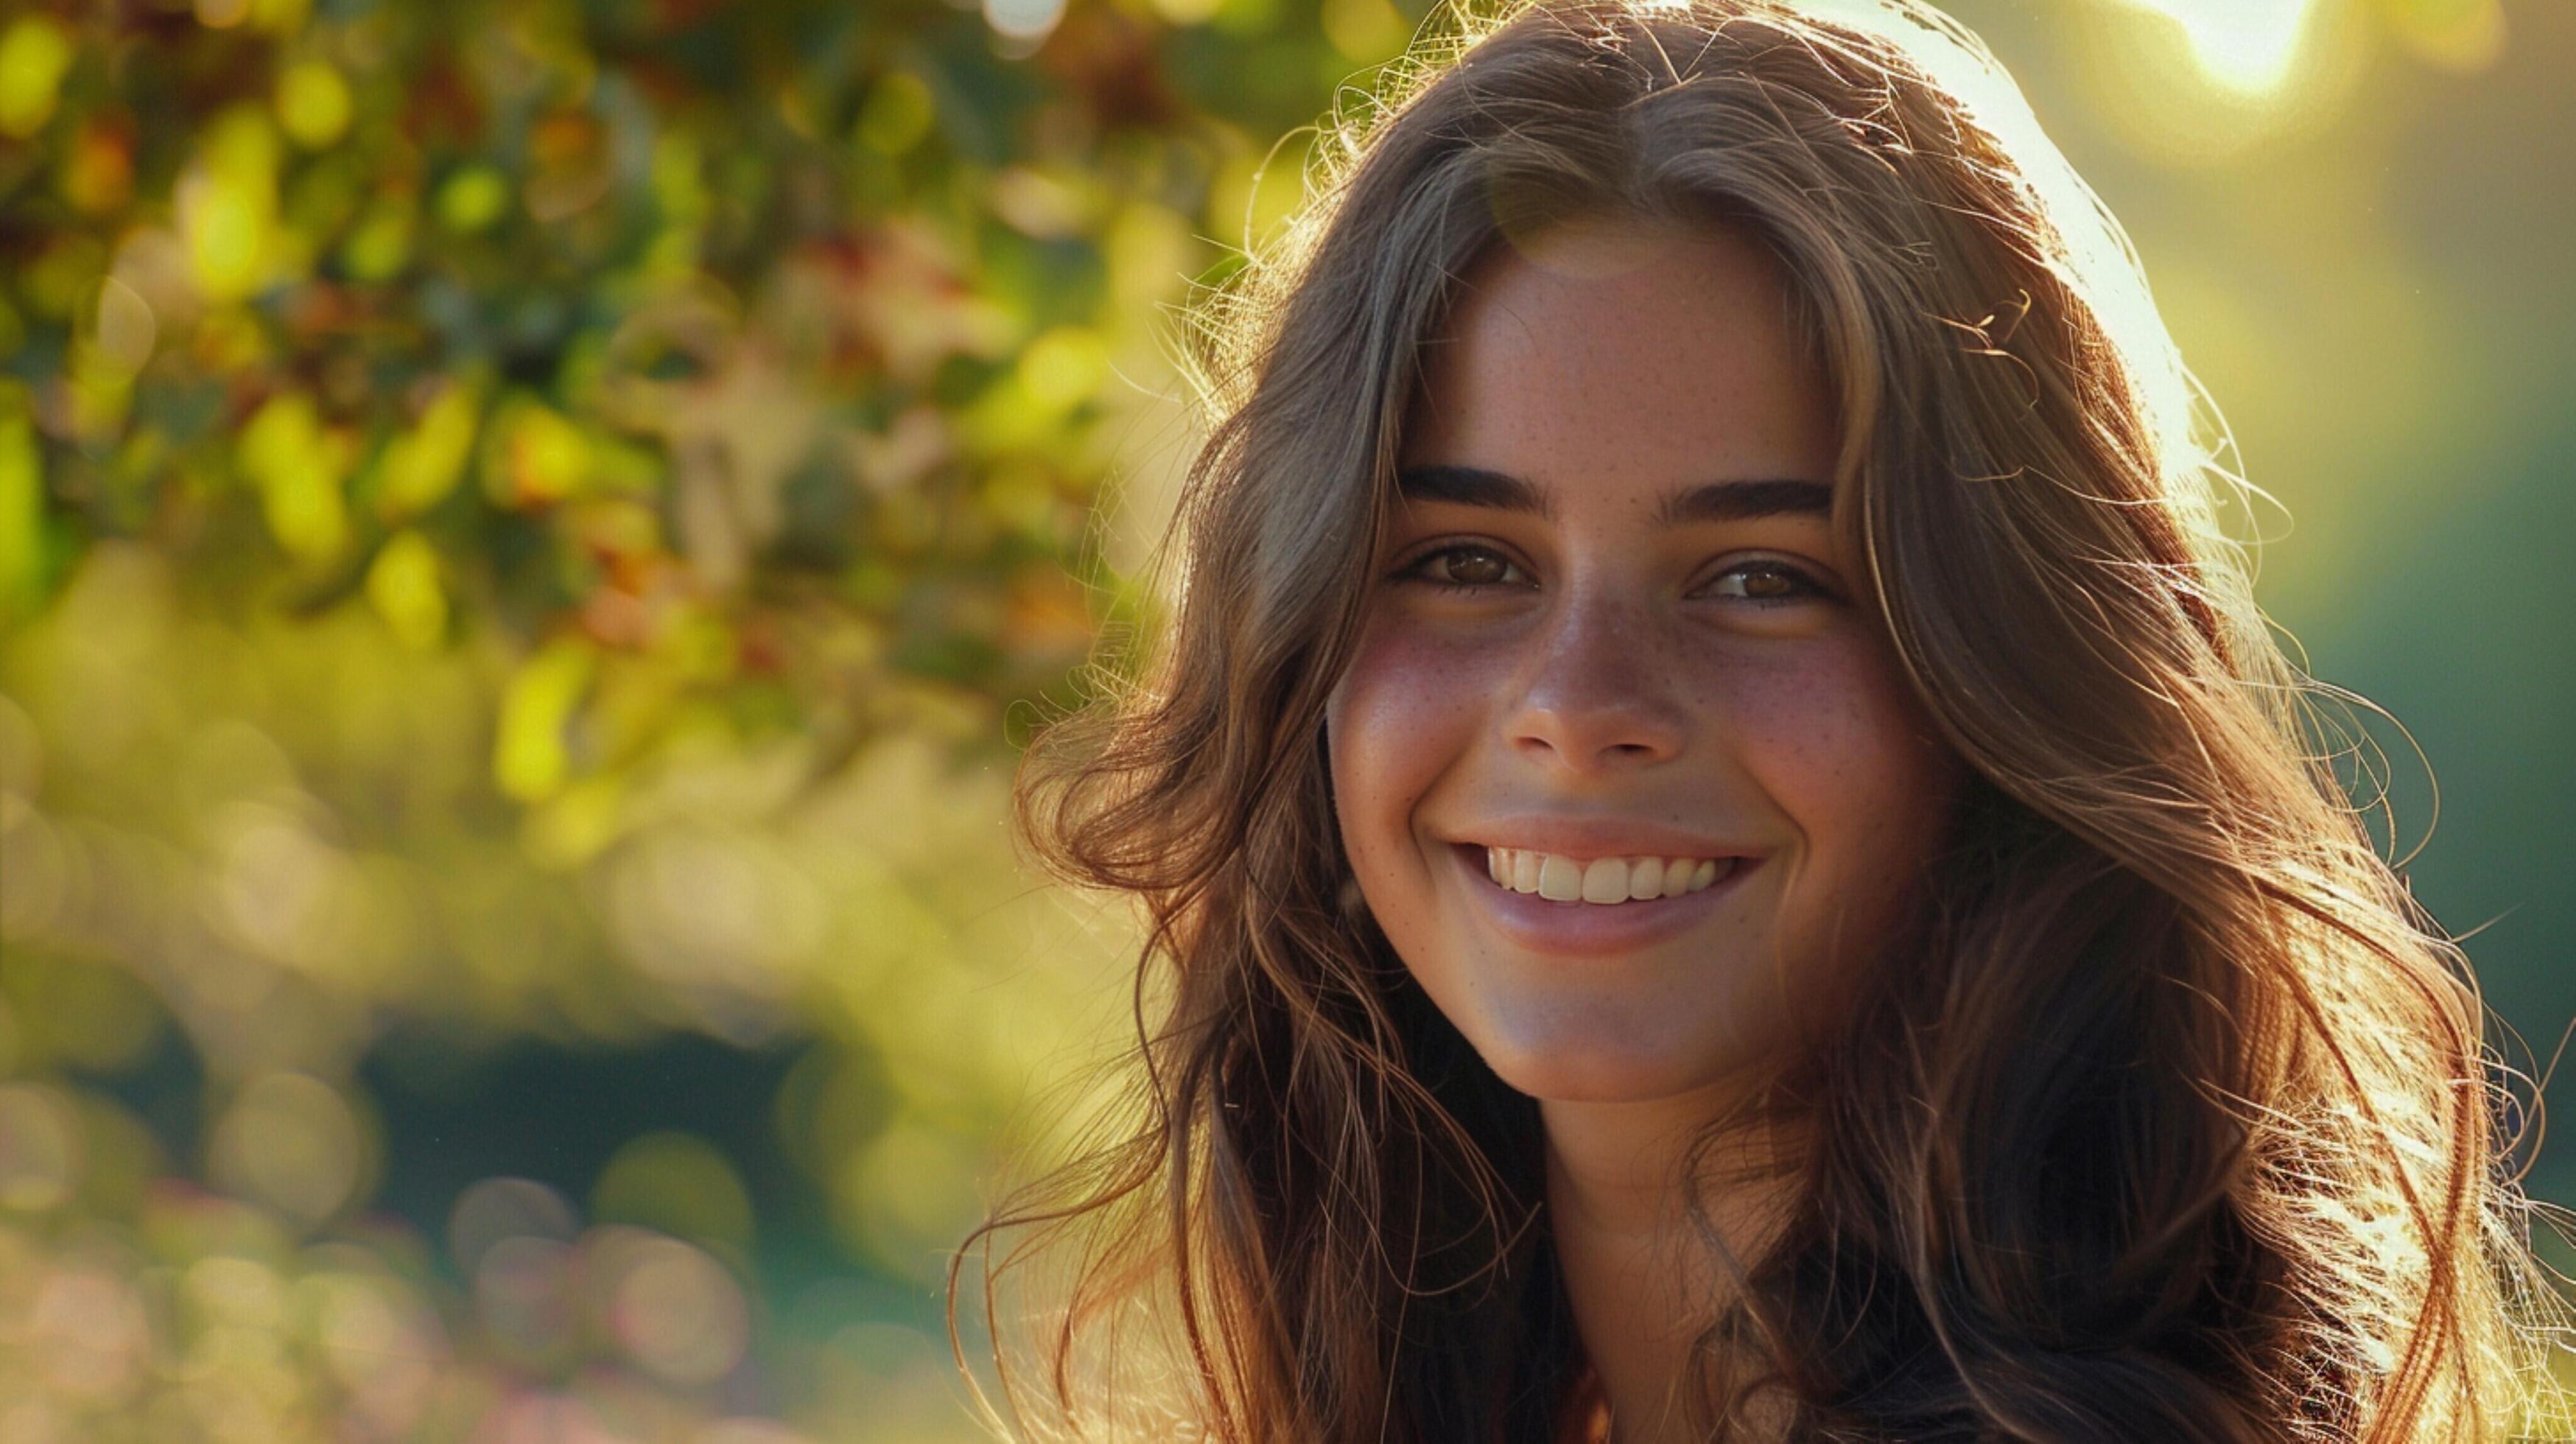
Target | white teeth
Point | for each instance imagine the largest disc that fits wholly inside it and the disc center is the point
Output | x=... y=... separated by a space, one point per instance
x=1678 y=875
x=1645 y=878
x=1559 y=880
x=1604 y=880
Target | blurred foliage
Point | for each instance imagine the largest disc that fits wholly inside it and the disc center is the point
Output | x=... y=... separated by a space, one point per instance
x=524 y=523
x=527 y=535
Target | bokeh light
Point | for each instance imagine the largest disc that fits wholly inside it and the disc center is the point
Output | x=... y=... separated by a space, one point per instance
x=674 y=1310
x=2247 y=45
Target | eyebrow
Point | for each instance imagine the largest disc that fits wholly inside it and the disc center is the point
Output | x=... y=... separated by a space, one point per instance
x=1710 y=501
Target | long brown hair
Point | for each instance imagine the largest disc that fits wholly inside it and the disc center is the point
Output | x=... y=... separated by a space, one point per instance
x=2178 y=1122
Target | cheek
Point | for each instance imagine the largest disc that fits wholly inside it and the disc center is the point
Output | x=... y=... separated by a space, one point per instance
x=1844 y=753
x=1401 y=714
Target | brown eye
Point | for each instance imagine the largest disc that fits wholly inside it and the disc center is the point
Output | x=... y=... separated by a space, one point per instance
x=1461 y=568
x=1476 y=568
x=1767 y=582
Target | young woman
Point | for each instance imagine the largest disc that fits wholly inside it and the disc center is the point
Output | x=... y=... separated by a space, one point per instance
x=1727 y=852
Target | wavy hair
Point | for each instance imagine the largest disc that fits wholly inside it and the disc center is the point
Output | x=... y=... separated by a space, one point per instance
x=2180 y=1122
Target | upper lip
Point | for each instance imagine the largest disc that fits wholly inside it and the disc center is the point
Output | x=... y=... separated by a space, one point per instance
x=1596 y=837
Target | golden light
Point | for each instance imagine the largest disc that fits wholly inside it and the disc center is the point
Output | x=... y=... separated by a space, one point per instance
x=2245 y=45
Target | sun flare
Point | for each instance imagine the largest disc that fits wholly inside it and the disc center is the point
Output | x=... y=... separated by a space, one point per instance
x=2245 y=45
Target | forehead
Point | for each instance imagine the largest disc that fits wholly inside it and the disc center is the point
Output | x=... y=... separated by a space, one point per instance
x=1619 y=351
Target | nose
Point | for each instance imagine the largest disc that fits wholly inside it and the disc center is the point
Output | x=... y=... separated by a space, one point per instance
x=1598 y=691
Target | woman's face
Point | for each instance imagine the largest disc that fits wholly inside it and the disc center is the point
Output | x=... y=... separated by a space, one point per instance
x=1612 y=625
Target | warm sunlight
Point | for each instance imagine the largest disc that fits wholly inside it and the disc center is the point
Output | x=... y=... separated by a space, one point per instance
x=2245 y=45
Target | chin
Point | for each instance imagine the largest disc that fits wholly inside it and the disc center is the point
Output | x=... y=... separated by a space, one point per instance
x=1594 y=1070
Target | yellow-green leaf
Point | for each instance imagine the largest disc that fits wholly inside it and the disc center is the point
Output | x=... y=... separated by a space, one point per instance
x=529 y=757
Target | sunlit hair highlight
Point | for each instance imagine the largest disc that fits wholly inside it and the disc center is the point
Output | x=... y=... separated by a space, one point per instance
x=2178 y=1124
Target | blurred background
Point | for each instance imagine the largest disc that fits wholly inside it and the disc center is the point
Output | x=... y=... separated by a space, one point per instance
x=530 y=535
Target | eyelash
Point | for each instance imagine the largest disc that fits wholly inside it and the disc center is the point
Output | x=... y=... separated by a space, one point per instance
x=1809 y=588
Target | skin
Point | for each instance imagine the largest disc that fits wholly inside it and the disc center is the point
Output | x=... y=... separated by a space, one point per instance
x=1612 y=667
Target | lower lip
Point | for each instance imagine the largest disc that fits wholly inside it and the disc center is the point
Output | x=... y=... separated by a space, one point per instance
x=1581 y=929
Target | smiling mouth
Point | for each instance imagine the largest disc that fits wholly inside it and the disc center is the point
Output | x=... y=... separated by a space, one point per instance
x=1603 y=881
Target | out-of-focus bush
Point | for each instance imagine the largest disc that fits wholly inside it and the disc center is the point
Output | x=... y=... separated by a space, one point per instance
x=523 y=526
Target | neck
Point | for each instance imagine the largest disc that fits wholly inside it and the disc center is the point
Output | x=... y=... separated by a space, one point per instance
x=1639 y=1276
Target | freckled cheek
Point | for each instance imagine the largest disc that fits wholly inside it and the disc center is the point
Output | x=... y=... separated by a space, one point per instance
x=1402 y=714
x=1834 y=738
